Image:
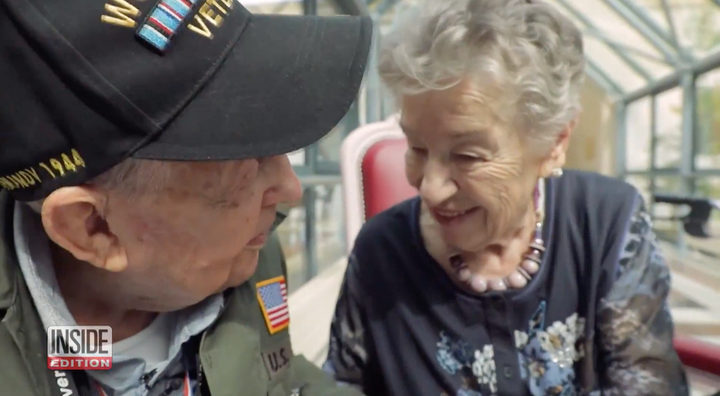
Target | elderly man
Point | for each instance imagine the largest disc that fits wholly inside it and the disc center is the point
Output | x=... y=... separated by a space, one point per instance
x=142 y=156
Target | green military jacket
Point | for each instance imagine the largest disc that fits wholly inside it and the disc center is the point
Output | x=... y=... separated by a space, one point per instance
x=239 y=355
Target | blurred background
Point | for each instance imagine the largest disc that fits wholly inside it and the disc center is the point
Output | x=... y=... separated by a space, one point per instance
x=649 y=118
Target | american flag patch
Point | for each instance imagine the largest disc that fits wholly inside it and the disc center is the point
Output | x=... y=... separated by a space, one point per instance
x=272 y=296
x=164 y=21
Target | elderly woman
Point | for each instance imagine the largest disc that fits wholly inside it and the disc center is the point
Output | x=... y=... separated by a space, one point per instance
x=505 y=276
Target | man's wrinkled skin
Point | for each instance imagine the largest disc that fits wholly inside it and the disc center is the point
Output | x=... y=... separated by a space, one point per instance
x=166 y=249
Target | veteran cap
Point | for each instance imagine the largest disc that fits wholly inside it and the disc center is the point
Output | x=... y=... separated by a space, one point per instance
x=85 y=84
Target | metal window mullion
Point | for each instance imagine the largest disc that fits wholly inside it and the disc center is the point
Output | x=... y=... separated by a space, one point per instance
x=648 y=29
x=653 y=147
x=373 y=95
x=596 y=73
x=621 y=139
x=673 y=80
x=621 y=54
x=384 y=6
x=626 y=48
x=648 y=21
x=687 y=145
x=309 y=193
x=688 y=127
x=671 y=24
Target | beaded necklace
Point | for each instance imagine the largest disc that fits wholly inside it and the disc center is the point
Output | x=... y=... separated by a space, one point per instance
x=530 y=265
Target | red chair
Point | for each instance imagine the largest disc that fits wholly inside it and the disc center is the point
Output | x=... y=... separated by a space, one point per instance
x=372 y=162
x=699 y=355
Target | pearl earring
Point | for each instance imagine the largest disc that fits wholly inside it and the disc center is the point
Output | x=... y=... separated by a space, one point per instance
x=557 y=172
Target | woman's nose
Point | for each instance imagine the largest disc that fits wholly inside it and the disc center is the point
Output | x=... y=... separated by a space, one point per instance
x=437 y=184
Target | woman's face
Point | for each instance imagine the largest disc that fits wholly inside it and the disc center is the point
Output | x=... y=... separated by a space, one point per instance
x=475 y=175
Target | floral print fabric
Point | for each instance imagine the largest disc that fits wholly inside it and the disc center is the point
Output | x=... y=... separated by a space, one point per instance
x=634 y=331
x=547 y=355
x=597 y=325
x=635 y=328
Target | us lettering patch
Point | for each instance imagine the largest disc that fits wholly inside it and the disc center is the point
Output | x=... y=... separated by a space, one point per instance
x=277 y=358
x=272 y=297
x=164 y=21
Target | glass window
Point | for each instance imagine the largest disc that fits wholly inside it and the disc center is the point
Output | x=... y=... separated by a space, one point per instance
x=601 y=22
x=291 y=7
x=326 y=7
x=389 y=104
x=709 y=187
x=668 y=184
x=656 y=66
x=665 y=226
x=697 y=24
x=612 y=65
x=642 y=183
x=292 y=237
x=707 y=140
x=654 y=9
x=329 y=231
x=329 y=149
x=330 y=223
x=297 y=158
x=638 y=134
x=697 y=266
x=669 y=128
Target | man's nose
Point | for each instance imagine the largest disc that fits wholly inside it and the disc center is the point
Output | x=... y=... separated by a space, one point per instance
x=285 y=185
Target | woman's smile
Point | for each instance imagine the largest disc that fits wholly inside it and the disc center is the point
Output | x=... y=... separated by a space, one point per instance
x=453 y=218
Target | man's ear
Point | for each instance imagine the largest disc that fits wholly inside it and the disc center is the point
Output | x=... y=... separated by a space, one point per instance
x=557 y=156
x=73 y=219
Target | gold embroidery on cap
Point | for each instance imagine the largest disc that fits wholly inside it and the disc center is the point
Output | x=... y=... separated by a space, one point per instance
x=122 y=13
x=211 y=11
x=54 y=167
x=22 y=179
x=209 y=15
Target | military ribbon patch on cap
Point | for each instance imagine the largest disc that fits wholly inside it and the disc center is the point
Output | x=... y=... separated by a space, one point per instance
x=272 y=296
x=164 y=21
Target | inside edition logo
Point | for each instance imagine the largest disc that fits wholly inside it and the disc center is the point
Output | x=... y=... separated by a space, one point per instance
x=79 y=348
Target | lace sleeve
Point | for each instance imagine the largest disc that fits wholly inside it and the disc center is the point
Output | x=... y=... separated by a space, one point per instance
x=634 y=324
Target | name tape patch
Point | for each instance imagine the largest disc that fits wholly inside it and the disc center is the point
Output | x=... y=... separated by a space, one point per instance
x=277 y=358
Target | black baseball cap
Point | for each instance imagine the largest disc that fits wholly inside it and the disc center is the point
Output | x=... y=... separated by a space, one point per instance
x=85 y=84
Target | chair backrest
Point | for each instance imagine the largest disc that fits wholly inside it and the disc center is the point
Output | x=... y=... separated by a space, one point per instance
x=372 y=161
x=698 y=354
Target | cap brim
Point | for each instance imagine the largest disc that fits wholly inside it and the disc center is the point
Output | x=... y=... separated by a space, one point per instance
x=286 y=83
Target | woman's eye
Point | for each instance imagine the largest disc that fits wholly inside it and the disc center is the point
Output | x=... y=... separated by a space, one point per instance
x=419 y=150
x=468 y=158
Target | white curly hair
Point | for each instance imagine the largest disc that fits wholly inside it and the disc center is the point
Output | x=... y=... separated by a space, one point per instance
x=527 y=54
x=131 y=178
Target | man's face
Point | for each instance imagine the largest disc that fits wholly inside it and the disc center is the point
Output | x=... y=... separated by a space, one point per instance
x=202 y=232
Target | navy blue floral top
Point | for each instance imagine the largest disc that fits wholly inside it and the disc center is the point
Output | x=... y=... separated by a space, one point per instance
x=593 y=321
